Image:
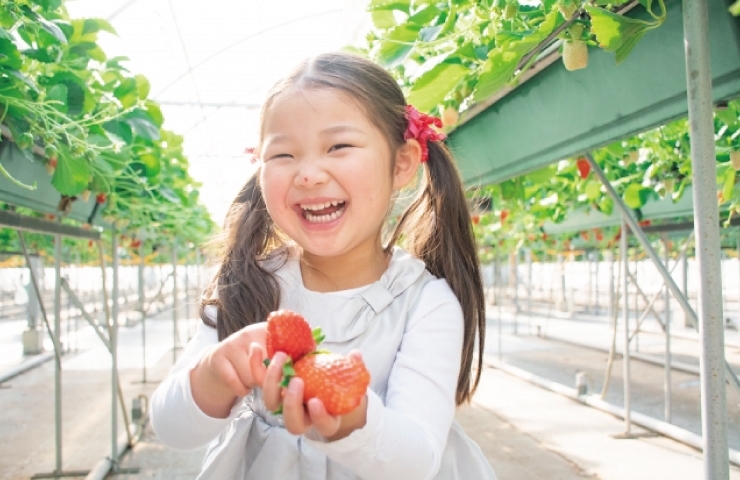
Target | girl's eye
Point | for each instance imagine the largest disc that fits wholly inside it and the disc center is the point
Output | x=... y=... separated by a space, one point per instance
x=339 y=146
x=280 y=155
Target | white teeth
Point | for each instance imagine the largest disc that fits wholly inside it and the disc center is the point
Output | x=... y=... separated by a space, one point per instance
x=321 y=206
x=323 y=218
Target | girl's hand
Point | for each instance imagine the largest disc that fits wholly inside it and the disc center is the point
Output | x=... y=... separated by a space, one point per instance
x=299 y=418
x=229 y=370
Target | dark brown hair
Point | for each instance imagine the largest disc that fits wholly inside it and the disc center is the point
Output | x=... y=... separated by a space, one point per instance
x=435 y=227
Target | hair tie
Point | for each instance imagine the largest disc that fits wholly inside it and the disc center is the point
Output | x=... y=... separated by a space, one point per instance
x=419 y=129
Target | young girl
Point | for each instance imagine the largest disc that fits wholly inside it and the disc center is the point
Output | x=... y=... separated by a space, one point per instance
x=306 y=233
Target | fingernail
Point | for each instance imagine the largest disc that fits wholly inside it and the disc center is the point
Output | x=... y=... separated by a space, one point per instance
x=293 y=386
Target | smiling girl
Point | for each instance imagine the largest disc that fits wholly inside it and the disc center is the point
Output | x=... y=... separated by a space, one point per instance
x=308 y=232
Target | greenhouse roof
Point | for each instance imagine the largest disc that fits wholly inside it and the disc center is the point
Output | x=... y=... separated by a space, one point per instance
x=211 y=66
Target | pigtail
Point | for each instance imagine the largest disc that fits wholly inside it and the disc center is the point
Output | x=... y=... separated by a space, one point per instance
x=436 y=228
x=244 y=290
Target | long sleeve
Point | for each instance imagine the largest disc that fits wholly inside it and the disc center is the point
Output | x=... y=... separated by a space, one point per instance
x=405 y=437
x=176 y=418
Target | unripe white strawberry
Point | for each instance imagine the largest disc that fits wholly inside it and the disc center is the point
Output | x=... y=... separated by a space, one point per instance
x=450 y=116
x=668 y=183
x=735 y=158
x=85 y=195
x=51 y=165
x=627 y=160
x=575 y=55
x=634 y=155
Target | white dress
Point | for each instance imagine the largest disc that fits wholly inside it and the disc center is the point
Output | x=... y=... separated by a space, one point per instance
x=255 y=446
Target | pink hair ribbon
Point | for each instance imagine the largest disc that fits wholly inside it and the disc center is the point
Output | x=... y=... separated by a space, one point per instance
x=419 y=129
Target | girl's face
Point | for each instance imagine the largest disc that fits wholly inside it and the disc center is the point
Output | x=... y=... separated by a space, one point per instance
x=327 y=174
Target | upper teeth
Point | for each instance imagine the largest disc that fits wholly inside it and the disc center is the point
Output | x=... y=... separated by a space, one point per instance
x=321 y=206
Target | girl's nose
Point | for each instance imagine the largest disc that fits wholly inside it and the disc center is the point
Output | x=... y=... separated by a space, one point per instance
x=310 y=173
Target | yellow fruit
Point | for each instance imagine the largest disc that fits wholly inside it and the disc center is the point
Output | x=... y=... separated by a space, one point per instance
x=634 y=155
x=627 y=160
x=575 y=55
x=450 y=116
x=735 y=158
x=85 y=195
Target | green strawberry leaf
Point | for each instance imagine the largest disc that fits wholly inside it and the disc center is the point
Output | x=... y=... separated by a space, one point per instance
x=318 y=336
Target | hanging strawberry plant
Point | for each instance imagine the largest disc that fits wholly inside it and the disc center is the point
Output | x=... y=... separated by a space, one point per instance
x=92 y=121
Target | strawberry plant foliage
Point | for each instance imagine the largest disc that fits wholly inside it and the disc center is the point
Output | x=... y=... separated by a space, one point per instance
x=457 y=53
x=63 y=97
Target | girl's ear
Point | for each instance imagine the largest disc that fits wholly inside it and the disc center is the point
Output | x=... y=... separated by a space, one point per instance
x=408 y=158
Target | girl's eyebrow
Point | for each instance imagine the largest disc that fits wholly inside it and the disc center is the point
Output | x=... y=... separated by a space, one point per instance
x=341 y=129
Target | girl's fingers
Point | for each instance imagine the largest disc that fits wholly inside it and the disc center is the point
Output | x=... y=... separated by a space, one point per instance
x=257 y=357
x=327 y=425
x=271 y=389
x=294 y=415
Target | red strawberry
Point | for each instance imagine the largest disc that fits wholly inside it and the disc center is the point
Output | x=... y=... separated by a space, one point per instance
x=338 y=381
x=504 y=214
x=100 y=198
x=289 y=332
x=584 y=168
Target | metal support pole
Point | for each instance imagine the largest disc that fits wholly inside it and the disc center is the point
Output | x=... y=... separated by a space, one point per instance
x=667 y=306
x=626 y=338
x=174 y=301
x=563 y=294
x=528 y=260
x=706 y=221
x=636 y=304
x=57 y=339
x=589 y=267
x=113 y=334
x=142 y=309
x=680 y=298
x=685 y=284
x=596 y=281
x=609 y=257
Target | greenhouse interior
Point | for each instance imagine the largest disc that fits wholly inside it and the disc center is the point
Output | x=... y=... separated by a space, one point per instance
x=597 y=147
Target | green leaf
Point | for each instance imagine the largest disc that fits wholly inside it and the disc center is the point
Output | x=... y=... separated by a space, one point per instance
x=94 y=25
x=593 y=190
x=71 y=175
x=142 y=86
x=120 y=130
x=617 y=33
x=432 y=87
x=152 y=164
x=59 y=95
x=127 y=93
x=728 y=184
x=169 y=195
x=154 y=111
x=543 y=175
x=142 y=124
x=635 y=195
x=383 y=19
x=502 y=62
x=728 y=116
x=10 y=57
x=735 y=8
x=396 y=46
x=400 y=5
x=50 y=27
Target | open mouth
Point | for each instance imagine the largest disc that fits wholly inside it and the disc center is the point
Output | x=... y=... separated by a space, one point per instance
x=323 y=212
